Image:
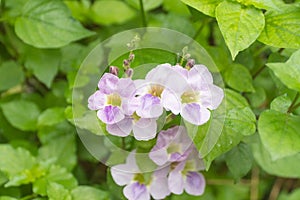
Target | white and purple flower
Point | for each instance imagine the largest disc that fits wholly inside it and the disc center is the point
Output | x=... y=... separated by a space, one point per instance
x=137 y=186
x=108 y=100
x=199 y=96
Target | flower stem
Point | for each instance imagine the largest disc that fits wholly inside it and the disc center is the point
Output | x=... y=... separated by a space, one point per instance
x=143 y=14
x=293 y=106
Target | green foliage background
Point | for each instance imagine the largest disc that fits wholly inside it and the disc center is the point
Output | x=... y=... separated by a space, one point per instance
x=254 y=43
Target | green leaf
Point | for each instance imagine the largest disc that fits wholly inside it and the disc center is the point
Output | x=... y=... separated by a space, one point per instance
x=14 y=161
x=11 y=74
x=48 y=24
x=281 y=103
x=295 y=195
x=58 y=192
x=21 y=114
x=43 y=63
x=51 y=116
x=240 y=25
x=288 y=72
x=279 y=133
x=89 y=193
x=282 y=28
x=7 y=198
x=55 y=174
x=239 y=160
x=148 y=5
x=239 y=78
x=206 y=6
x=62 y=150
x=109 y=12
x=263 y=4
x=239 y=122
x=176 y=6
x=284 y=167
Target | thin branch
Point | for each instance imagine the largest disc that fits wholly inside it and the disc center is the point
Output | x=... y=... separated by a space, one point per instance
x=143 y=14
x=258 y=72
x=254 y=184
x=276 y=188
x=293 y=106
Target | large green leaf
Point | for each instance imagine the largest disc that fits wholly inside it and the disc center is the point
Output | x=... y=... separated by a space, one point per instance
x=89 y=193
x=288 y=72
x=263 y=4
x=240 y=25
x=239 y=160
x=109 y=12
x=279 y=133
x=48 y=24
x=208 y=7
x=51 y=116
x=282 y=27
x=239 y=122
x=58 y=192
x=43 y=63
x=239 y=78
x=148 y=5
x=21 y=114
x=62 y=150
x=11 y=74
x=284 y=167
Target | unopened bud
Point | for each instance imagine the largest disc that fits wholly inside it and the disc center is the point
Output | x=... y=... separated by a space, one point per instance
x=129 y=72
x=131 y=57
x=126 y=63
x=190 y=63
x=114 y=70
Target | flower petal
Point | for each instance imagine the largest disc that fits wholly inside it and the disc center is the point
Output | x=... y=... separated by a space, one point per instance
x=159 y=188
x=171 y=101
x=96 y=101
x=136 y=191
x=108 y=83
x=195 y=114
x=110 y=114
x=195 y=183
x=126 y=87
x=211 y=98
x=160 y=156
x=150 y=107
x=122 y=128
x=145 y=129
x=199 y=76
x=122 y=174
x=175 y=182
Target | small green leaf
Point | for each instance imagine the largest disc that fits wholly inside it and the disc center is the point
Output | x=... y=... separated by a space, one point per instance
x=89 y=193
x=11 y=74
x=240 y=25
x=239 y=160
x=21 y=114
x=284 y=167
x=279 y=133
x=58 y=192
x=48 y=24
x=288 y=72
x=295 y=195
x=282 y=27
x=55 y=174
x=62 y=150
x=109 y=12
x=51 y=116
x=239 y=78
x=43 y=63
x=281 y=103
x=208 y=7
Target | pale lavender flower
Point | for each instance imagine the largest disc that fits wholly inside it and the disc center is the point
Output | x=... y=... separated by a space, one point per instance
x=195 y=101
x=172 y=145
x=137 y=187
x=151 y=90
x=185 y=176
x=108 y=100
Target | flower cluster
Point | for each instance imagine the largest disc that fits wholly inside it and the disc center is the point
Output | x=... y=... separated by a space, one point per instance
x=178 y=165
x=127 y=105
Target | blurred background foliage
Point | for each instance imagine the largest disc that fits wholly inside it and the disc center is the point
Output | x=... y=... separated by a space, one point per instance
x=253 y=43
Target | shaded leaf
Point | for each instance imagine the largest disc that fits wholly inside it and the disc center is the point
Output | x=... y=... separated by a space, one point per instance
x=11 y=74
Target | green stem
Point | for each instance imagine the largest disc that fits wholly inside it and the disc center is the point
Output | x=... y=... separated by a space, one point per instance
x=293 y=106
x=143 y=13
x=258 y=71
x=200 y=28
x=259 y=51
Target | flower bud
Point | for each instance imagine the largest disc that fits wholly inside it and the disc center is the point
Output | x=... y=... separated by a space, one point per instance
x=114 y=70
x=190 y=63
x=129 y=72
x=131 y=57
